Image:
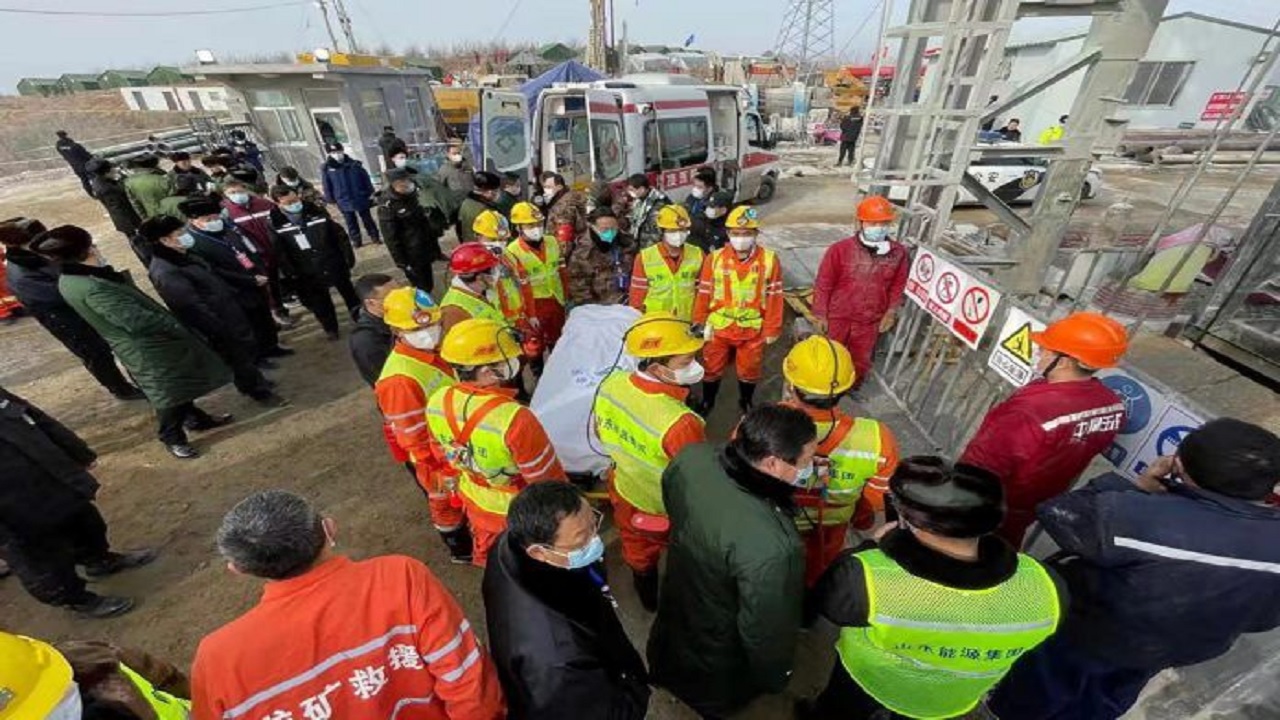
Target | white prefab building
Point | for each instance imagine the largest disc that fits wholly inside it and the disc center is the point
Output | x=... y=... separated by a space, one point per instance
x=1191 y=57
x=184 y=98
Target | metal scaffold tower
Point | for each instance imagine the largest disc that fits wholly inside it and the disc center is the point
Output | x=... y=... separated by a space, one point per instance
x=597 y=37
x=808 y=33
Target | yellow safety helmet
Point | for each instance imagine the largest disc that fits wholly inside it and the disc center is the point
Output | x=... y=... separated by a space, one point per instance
x=479 y=341
x=819 y=366
x=526 y=213
x=402 y=310
x=661 y=334
x=492 y=225
x=673 y=217
x=743 y=216
x=34 y=677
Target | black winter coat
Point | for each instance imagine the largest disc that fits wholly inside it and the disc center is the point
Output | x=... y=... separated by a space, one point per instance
x=557 y=643
x=115 y=200
x=411 y=237
x=34 y=281
x=313 y=248
x=231 y=258
x=370 y=344
x=200 y=299
x=74 y=153
x=44 y=474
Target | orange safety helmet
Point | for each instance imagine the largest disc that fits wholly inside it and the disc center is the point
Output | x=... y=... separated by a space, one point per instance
x=1095 y=341
x=471 y=258
x=876 y=209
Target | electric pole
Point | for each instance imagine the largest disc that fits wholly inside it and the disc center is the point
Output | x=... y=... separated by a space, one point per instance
x=328 y=25
x=344 y=21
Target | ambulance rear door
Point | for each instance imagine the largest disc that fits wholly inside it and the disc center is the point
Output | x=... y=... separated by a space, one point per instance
x=608 y=141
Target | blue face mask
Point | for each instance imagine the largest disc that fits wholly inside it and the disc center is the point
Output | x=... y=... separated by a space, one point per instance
x=293 y=208
x=239 y=198
x=213 y=226
x=875 y=233
x=186 y=241
x=584 y=556
x=609 y=235
x=804 y=475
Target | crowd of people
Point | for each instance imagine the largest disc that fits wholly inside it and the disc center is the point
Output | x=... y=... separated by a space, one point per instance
x=803 y=515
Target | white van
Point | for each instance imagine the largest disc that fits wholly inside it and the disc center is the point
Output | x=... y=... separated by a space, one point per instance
x=666 y=126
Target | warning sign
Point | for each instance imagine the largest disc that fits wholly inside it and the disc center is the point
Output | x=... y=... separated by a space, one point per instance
x=1222 y=105
x=1013 y=356
x=953 y=296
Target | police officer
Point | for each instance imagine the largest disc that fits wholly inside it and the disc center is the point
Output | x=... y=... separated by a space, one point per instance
x=935 y=615
x=665 y=276
x=643 y=422
x=856 y=455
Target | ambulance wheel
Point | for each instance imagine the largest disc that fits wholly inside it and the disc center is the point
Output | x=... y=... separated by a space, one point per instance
x=768 y=186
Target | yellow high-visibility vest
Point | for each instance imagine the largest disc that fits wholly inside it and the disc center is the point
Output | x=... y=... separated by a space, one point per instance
x=734 y=300
x=472 y=305
x=848 y=458
x=631 y=424
x=932 y=651
x=668 y=290
x=166 y=706
x=429 y=377
x=543 y=273
x=487 y=472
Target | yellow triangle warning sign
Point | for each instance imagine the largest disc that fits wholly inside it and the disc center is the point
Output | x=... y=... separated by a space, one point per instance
x=1019 y=343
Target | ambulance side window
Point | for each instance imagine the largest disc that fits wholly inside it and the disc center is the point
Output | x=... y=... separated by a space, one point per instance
x=684 y=142
x=652 y=151
x=755 y=132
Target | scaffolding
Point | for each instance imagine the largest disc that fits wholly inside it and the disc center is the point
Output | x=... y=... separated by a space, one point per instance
x=807 y=34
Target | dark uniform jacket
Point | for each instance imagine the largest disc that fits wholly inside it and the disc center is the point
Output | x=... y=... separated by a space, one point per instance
x=312 y=247
x=370 y=343
x=34 y=280
x=557 y=643
x=199 y=298
x=115 y=200
x=43 y=466
x=412 y=238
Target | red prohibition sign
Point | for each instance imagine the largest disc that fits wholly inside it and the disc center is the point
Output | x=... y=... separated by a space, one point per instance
x=976 y=305
x=948 y=286
x=924 y=268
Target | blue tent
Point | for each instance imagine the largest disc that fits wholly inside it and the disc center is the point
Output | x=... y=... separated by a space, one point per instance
x=569 y=71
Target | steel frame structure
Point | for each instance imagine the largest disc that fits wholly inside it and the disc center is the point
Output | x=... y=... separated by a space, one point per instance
x=808 y=32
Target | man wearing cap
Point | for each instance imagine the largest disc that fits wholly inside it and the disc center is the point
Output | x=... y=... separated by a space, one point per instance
x=665 y=274
x=252 y=216
x=513 y=293
x=1165 y=571
x=739 y=302
x=1039 y=439
x=147 y=185
x=456 y=172
x=182 y=165
x=709 y=231
x=643 y=422
x=858 y=289
x=642 y=215
x=856 y=455
x=108 y=189
x=347 y=185
x=76 y=156
x=412 y=237
x=412 y=373
x=473 y=290
x=493 y=445
x=936 y=610
x=601 y=261
x=318 y=254
x=540 y=259
x=485 y=188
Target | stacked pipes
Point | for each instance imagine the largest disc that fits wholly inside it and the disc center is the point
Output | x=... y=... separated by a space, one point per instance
x=1182 y=146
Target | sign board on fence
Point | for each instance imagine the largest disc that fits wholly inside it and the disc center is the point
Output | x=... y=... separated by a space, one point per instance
x=1013 y=355
x=1154 y=423
x=960 y=301
x=1222 y=105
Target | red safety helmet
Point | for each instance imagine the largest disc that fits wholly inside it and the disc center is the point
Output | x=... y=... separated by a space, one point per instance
x=471 y=258
x=876 y=209
x=1096 y=341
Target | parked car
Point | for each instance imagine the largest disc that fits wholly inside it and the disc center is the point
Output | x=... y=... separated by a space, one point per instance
x=1015 y=180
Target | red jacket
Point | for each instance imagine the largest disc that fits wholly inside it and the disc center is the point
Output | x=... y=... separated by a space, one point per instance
x=254 y=222
x=348 y=640
x=1040 y=439
x=855 y=286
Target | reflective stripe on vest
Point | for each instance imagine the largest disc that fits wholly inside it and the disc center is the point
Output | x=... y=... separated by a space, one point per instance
x=470 y=304
x=739 y=300
x=933 y=651
x=544 y=275
x=631 y=424
x=510 y=300
x=488 y=474
x=673 y=291
x=852 y=457
x=166 y=706
x=429 y=377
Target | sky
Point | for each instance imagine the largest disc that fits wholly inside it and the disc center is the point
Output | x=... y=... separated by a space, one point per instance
x=49 y=45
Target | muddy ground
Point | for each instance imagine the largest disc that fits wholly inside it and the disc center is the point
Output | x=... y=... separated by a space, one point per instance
x=327 y=445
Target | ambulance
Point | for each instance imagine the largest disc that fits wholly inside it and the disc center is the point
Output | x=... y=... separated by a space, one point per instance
x=665 y=126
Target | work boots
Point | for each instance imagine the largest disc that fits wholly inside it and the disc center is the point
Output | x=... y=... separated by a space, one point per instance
x=114 y=562
x=647 y=588
x=459 y=543
x=710 y=388
x=746 y=394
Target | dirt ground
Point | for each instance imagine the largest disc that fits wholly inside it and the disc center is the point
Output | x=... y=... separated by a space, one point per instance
x=327 y=446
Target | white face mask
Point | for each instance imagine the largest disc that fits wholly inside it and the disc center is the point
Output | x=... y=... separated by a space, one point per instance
x=742 y=243
x=69 y=707
x=533 y=233
x=455 y=159
x=690 y=374
x=699 y=192
x=337 y=157
x=291 y=183
x=712 y=213
x=511 y=370
x=427 y=338
x=400 y=161
x=675 y=238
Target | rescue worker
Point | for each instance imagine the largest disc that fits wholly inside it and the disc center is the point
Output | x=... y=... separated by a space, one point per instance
x=87 y=679
x=1040 y=438
x=473 y=291
x=412 y=232
x=486 y=187
x=601 y=261
x=514 y=293
x=318 y=255
x=1054 y=133
x=856 y=455
x=540 y=258
x=858 y=289
x=493 y=445
x=147 y=185
x=665 y=274
x=333 y=637
x=739 y=302
x=935 y=615
x=643 y=422
x=642 y=215
x=412 y=373
x=704 y=186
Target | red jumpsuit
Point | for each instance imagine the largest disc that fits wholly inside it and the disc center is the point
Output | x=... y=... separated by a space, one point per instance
x=1040 y=439
x=854 y=290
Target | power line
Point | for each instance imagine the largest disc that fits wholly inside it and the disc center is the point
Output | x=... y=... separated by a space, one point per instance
x=861 y=27
x=173 y=13
x=506 y=22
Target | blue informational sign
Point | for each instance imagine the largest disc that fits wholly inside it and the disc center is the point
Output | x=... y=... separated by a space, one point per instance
x=1137 y=402
x=1168 y=440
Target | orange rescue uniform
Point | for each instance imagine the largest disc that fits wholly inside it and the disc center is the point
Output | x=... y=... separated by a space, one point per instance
x=744 y=344
x=348 y=640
